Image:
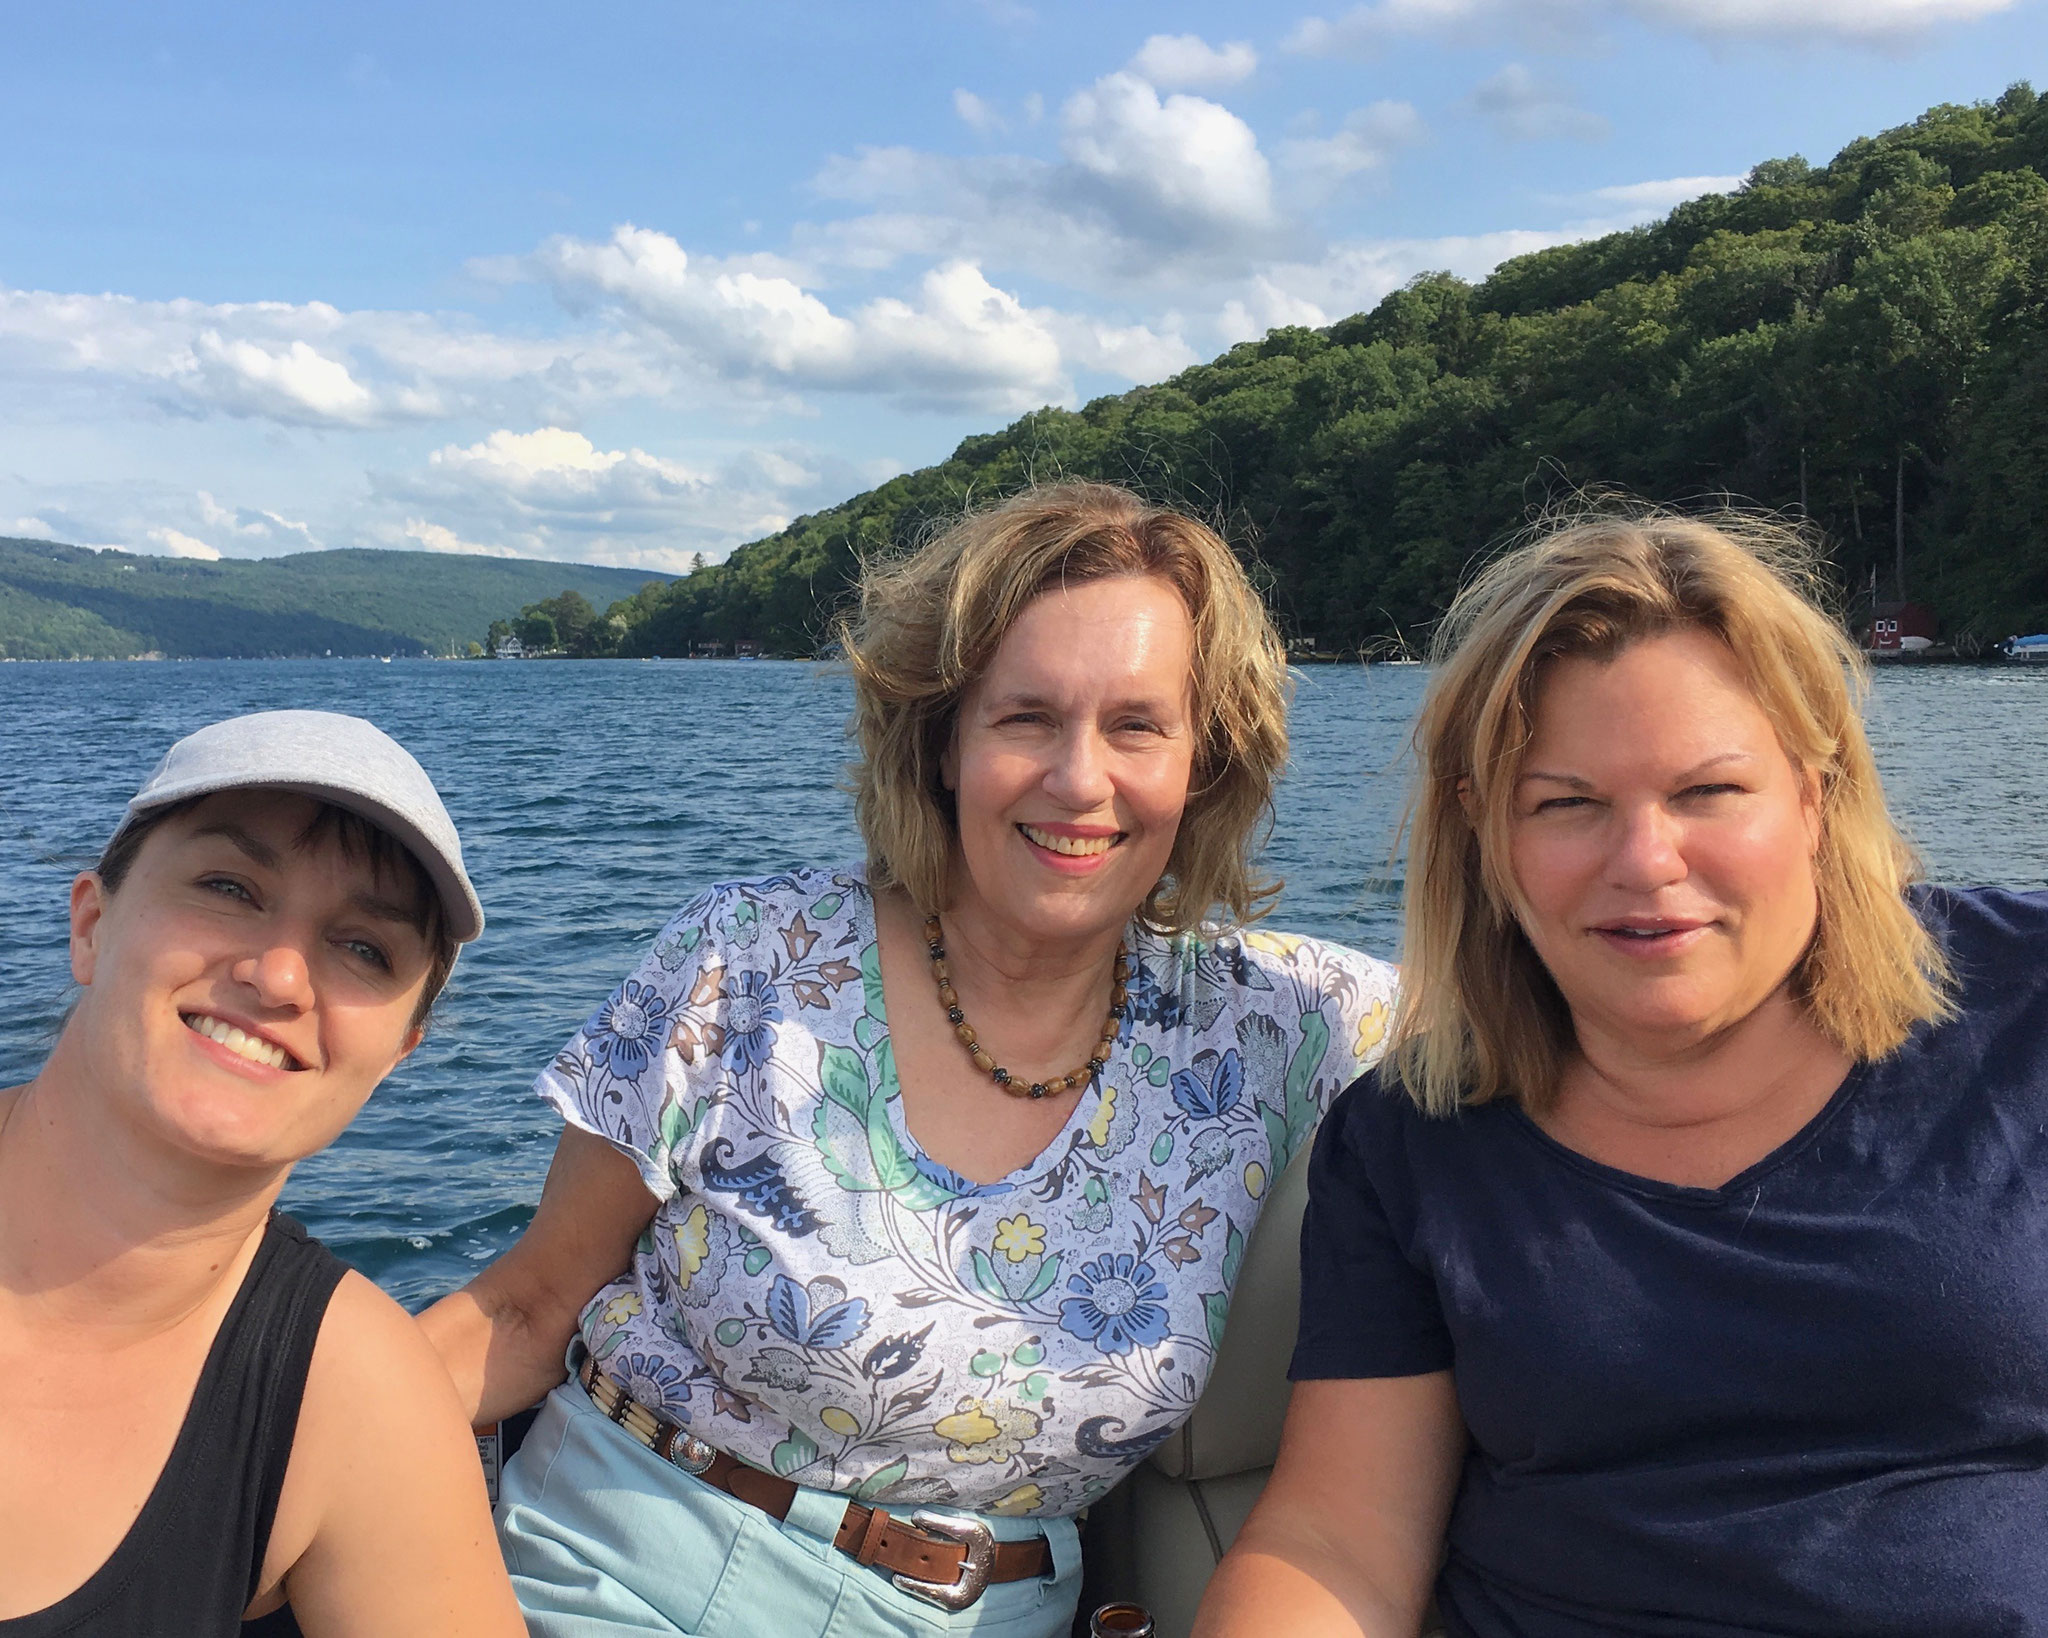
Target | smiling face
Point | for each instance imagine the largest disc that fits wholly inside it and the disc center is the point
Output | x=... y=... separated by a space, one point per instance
x=1663 y=842
x=1071 y=759
x=246 y=987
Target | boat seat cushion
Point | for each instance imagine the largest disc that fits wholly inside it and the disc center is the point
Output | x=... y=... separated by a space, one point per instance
x=1160 y=1535
x=1236 y=1427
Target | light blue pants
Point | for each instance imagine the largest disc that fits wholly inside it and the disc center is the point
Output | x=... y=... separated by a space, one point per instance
x=604 y=1538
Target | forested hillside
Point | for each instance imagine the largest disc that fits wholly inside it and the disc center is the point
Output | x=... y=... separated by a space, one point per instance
x=1866 y=341
x=66 y=602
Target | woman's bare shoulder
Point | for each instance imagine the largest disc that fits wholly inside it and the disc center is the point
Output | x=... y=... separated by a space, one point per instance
x=383 y=1473
x=368 y=1339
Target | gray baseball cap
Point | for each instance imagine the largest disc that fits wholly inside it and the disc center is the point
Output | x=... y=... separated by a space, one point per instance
x=344 y=760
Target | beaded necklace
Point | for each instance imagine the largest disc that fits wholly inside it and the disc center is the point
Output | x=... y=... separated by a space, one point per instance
x=949 y=998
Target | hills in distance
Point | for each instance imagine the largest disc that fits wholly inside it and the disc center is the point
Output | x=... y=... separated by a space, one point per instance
x=68 y=602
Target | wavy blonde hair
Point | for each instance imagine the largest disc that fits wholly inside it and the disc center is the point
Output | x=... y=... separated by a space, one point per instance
x=929 y=623
x=1479 y=1016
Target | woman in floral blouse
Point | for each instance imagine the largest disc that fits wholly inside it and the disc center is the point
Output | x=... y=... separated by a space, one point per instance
x=899 y=1204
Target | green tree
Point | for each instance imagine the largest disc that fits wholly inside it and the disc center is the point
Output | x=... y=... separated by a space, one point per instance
x=535 y=629
x=576 y=624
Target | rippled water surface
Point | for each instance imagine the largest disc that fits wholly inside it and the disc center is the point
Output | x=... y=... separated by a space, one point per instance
x=593 y=798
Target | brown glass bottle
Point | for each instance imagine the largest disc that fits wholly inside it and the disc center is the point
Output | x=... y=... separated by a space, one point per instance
x=1120 y=1621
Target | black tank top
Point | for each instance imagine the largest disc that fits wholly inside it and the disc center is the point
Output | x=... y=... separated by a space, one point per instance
x=188 y=1567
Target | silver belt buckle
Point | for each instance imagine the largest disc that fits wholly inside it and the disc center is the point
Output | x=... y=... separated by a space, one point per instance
x=974 y=1535
x=690 y=1453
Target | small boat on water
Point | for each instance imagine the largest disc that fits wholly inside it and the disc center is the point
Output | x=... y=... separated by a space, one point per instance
x=2028 y=650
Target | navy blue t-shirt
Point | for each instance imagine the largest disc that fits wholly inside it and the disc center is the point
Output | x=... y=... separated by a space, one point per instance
x=1811 y=1401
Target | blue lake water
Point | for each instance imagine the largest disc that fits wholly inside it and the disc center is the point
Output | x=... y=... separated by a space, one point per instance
x=593 y=798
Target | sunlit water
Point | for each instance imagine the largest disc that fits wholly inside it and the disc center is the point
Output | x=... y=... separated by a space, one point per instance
x=593 y=798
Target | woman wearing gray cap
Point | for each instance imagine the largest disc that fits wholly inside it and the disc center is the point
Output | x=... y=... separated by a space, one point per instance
x=206 y=1415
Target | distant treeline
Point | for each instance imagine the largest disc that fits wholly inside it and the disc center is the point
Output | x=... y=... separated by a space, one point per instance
x=567 y=623
x=68 y=602
x=1865 y=342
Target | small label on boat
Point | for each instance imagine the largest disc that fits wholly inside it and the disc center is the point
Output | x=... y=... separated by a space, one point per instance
x=487 y=1453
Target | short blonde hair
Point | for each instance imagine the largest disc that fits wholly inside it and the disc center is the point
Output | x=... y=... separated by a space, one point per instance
x=1479 y=1016
x=929 y=623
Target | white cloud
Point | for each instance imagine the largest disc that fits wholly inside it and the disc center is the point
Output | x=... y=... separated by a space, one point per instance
x=1366 y=28
x=1148 y=188
x=955 y=340
x=1266 y=305
x=1364 y=142
x=1522 y=107
x=962 y=334
x=257 y=525
x=271 y=359
x=555 y=469
x=1645 y=200
x=124 y=510
x=437 y=537
x=1354 y=277
x=295 y=382
x=1028 y=215
x=977 y=113
x=1055 y=221
x=520 y=455
x=742 y=323
x=304 y=364
x=176 y=543
x=994 y=209
x=552 y=493
x=1187 y=166
x=33 y=529
x=652 y=323
x=222 y=517
x=1180 y=62
x=1136 y=352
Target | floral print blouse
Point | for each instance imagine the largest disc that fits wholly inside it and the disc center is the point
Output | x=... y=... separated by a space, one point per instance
x=820 y=1298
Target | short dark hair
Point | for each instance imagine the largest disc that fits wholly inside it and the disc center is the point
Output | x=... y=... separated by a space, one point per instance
x=357 y=838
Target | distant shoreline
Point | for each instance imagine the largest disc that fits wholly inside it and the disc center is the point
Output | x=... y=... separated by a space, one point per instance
x=60 y=602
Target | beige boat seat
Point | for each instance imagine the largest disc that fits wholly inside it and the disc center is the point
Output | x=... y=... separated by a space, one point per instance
x=1159 y=1535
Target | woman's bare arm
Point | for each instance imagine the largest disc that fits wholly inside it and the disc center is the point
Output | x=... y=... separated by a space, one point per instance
x=383 y=1529
x=502 y=1336
x=1346 y=1539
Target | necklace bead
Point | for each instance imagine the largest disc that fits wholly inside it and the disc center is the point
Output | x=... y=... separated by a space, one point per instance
x=949 y=998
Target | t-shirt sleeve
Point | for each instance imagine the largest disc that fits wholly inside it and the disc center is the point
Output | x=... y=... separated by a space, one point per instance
x=1366 y=1310
x=1346 y=1000
x=1362 y=990
x=613 y=1077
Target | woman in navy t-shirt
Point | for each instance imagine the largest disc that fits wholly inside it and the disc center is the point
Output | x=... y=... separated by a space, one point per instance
x=1684 y=1268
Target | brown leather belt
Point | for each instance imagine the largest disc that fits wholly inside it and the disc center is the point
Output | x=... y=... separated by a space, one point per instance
x=945 y=1558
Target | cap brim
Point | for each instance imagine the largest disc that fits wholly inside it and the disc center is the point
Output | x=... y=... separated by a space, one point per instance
x=460 y=908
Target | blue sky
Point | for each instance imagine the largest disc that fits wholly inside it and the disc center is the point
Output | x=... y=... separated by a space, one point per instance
x=628 y=285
